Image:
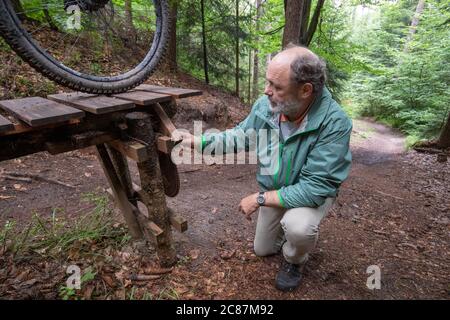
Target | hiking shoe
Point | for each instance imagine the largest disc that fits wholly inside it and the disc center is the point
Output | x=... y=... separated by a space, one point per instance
x=289 y=276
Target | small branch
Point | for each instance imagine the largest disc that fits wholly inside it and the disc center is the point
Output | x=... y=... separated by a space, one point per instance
x=429 y=150
x=190 y=170
x=389 y=195
x=35 y=177
x=143 y=277
x=7 y=177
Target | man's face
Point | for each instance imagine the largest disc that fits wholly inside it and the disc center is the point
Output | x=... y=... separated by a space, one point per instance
x=281 y=92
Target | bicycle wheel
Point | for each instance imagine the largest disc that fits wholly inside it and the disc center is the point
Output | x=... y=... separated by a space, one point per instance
x=94 y=46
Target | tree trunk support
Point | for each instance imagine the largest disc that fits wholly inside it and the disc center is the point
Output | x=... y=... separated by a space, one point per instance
x=112 y=156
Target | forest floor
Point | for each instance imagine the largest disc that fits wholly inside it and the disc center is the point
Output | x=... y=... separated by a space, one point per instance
x=392 y=212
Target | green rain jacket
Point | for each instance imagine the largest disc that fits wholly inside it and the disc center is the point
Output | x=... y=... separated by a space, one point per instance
x=309 y=165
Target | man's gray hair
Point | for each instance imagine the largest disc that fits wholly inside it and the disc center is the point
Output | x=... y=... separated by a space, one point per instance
x=308 y=68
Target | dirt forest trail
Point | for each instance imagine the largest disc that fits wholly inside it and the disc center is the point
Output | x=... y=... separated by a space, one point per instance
x=392 y=212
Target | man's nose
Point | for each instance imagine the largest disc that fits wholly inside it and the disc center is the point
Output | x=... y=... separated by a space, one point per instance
x=268 y=91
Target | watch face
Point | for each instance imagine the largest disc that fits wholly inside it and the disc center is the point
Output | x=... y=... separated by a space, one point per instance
x=260 y=199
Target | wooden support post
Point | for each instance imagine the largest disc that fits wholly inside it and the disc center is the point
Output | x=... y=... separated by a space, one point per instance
x=119 y=193
x=152 y=195
x=123 y=172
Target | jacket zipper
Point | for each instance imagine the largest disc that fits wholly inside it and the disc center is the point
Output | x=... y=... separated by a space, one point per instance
x=288 y=173
x=280 y=157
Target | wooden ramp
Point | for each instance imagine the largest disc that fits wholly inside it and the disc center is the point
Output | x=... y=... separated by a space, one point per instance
x=175 y=92
x=128 y=126
x=32 y=114
x=38 y=111
x=92 y=103
x=5 y=124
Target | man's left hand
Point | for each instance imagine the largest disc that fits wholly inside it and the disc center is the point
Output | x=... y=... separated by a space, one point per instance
x=249 y=205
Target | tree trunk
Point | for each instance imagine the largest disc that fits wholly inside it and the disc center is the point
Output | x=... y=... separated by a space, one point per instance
x=299 y=28
x=314 y=22
x=205 y=53
x=129 y=23
x=237 y=48
x=304 y=21
x=249 y=95
x=444 y=137
x=48 y=17
x=172 y=49
x=414 y=23
x=18 y=8
x=256 y=52
x=293 y=21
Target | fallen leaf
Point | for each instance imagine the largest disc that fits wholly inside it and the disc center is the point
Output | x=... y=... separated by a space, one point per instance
x=88 y=292
x=194 y=254
x=227 y=254
x=19 y=187
x=6 y=197
x=109 y=280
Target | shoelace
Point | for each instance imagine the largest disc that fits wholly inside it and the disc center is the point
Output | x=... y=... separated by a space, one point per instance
x=290 y=268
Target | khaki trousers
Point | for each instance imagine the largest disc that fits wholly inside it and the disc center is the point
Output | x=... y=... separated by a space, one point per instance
x=295 y=231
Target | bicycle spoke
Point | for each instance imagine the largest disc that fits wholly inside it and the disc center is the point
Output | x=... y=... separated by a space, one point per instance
x=104 y=43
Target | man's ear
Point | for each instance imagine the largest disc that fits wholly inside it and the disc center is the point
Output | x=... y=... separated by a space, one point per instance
x=306 y=91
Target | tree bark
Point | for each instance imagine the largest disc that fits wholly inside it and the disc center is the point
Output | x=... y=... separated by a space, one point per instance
x=255 y=89
x=293 y=21
x=304 y=21
x=20 y=12
x=444 y=137
x=140 y=127
x=249 y=95
x=129 y=23
x=299 y=28
x=205 y=53
x=48 y=17
x=414 y=23
x=172 y=49
x=237 y=49
x=314 y=22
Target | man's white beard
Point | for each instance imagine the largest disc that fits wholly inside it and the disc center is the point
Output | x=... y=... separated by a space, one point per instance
x=288 y=108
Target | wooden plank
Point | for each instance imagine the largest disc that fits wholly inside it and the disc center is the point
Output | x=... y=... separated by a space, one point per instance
x=166 y=124
x=38 y=111
x=175 y=92
x=79 y=141
x=166 y=144
x=92 y=103
x=179 y=223
x=143 y=98
x=150 y=228
x=5 y=125
x=134 y=150
x=119 y=193
x=155 y=231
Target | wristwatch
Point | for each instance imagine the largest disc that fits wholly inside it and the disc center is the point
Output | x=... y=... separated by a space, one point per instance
x=261 y=199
